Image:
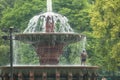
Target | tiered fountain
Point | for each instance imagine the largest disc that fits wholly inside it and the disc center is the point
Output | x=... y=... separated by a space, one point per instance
x=49 y=33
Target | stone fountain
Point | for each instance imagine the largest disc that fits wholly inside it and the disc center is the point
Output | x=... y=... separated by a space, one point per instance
x=49 y=33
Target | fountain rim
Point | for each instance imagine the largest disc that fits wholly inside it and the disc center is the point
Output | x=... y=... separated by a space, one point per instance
x=50 y=66
x=41 y=37
x=51 y=33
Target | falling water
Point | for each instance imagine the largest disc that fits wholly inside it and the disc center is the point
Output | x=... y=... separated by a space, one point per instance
x=38 y=23
x=84 y=42
x=15 y=45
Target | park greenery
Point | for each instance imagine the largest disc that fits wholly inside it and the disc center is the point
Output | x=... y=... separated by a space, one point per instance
x=99 y=20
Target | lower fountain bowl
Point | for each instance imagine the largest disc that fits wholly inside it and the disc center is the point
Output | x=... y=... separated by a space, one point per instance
x=50 y=72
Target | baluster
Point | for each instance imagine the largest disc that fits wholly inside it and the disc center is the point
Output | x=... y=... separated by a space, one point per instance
x=15 y=76
x=81 y=76
x=31 y=75
x=93 y=76
x=20 y=76
x=70 y=76
x=6 y=76
x=44 y=76
x=57 y=76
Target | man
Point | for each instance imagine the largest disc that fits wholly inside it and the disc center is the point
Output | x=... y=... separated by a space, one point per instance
x=83 y=57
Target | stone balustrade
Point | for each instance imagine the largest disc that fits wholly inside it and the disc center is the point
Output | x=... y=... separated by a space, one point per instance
x=49 y=72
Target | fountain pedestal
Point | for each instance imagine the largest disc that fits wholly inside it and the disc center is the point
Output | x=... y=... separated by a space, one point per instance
x=49 y=54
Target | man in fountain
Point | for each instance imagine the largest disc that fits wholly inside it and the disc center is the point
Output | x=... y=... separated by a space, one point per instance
x=83 y=57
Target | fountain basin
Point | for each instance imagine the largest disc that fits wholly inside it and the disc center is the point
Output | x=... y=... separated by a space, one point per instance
x=49 y=38
x=51 y=72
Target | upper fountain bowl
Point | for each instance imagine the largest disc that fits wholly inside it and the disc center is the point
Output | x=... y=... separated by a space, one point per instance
x=48 y=22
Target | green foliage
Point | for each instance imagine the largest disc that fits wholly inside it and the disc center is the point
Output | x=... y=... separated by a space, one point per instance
x=76 y=11
x=71 y=54
x=4 y=55
x=25 y=54
x=4 y=50
x=20 y=14
x=5 y=4
x=105 y=23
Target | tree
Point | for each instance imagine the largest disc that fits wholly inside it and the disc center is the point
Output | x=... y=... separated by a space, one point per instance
x=25 y=54
x=71 y=53
x=4 y=50
x=76 y=11
x=105 y=23
x=5 y=4
x=20 y=14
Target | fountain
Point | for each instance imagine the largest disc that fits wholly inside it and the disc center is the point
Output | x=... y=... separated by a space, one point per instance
x=49 y=33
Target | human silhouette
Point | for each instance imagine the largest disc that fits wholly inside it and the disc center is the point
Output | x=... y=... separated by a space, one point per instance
x=83 y=57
